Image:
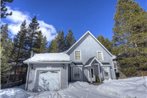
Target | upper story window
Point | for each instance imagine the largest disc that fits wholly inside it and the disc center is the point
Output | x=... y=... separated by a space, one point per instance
x=78 y=55
x=100 y=56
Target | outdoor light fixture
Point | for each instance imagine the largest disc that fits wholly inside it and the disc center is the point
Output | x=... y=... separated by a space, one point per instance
x=32 y=67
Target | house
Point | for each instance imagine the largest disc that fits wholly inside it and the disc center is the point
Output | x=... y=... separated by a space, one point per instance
x=86 y=60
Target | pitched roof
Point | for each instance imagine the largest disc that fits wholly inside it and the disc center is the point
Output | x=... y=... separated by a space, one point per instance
x=48 y=57
x=89 y=33
x=89 y=61
x=92 y=58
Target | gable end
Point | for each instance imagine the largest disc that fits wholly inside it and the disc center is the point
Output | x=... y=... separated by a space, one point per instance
x=89 y=33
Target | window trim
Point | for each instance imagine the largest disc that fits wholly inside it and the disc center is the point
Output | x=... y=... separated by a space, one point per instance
x=102 y=55
x=75 y=55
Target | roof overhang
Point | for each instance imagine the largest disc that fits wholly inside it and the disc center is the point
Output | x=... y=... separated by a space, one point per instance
x=48 y=58
x=49 y=62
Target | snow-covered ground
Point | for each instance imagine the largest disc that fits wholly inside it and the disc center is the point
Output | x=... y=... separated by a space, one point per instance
x=75 y=90
x=123 y=88
x=13 y=93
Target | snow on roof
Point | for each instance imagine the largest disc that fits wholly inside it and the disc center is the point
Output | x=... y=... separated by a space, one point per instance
x=48 y=57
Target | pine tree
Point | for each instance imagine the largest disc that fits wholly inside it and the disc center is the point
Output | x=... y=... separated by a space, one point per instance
x=20 y=50
x=44 y=44
x=40 y=44
x=60 y=41
x=33 y=32
x=105 y=42
x=126 y=9
x=130 y=37
x=36 y=42
x=53 y=48
x=138 y=40
x=6 y=48
x=4 y=9
x=69 y=40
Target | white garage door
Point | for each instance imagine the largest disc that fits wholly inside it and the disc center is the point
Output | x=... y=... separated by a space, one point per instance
x=49 y=80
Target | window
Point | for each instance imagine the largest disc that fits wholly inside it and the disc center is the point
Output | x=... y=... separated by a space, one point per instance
x=77 y=55
x=107 y=74
x=77 y=73
x=100 y=56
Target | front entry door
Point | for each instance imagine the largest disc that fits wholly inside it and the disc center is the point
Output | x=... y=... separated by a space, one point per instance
x=92 y=75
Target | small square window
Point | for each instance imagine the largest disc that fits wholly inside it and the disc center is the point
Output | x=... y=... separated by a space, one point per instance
x=100 y=56
x=77 y=55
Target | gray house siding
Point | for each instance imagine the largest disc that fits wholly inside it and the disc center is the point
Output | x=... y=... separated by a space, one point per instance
x=33 y=75
x=89 y=47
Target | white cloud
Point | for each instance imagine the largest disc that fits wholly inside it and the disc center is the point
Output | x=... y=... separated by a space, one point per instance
x=18 y=17
x=48 y=30
x=14 y=28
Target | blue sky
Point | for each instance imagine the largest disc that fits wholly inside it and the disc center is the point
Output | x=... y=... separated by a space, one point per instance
x=77 y=15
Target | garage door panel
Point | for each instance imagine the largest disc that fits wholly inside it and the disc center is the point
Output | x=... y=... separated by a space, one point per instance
x=49 y=80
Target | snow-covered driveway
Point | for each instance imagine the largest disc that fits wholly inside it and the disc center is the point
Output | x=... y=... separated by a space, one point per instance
x=75 y=90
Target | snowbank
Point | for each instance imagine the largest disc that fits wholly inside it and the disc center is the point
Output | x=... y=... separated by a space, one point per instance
x=125 y=88
x=75 y=90
x=13 y=93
